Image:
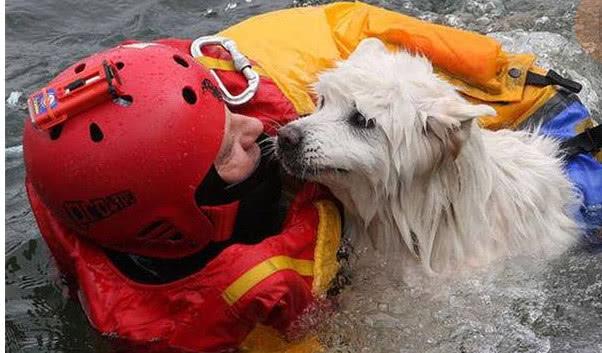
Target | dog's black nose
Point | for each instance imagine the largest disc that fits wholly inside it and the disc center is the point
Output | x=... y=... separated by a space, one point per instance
x=289 y=137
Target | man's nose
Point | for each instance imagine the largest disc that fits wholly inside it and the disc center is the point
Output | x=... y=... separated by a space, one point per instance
x=255 y=126
x=289 y=137
x=249 y=130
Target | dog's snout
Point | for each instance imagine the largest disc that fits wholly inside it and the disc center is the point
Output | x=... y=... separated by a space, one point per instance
x=289 y=137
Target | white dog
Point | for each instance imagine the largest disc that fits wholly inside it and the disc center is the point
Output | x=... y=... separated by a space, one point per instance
x=401 y=149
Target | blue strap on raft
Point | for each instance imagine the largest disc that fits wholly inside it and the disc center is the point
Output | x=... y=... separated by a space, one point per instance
x=560 y=118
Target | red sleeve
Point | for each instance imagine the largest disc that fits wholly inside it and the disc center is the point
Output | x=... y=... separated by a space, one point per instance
x=280 y=299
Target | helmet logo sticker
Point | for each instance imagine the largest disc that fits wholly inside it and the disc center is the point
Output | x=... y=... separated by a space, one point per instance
x=40 y=103
x=86 y=212
x=209 y=86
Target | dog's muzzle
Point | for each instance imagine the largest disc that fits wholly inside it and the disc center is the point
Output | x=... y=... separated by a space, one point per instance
x=295 y=156
x=290 y=148
x=290 y=138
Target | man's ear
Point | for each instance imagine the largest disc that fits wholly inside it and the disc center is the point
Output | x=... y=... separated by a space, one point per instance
x=450 y=123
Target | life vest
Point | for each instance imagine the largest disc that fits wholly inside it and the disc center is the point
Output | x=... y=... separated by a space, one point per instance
x=219 y=305
x=246 y=297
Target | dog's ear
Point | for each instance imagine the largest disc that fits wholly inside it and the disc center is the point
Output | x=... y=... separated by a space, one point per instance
x=366 y=46
x=450 y=122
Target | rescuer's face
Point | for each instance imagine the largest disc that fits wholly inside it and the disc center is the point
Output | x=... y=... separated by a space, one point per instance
x=239 y=154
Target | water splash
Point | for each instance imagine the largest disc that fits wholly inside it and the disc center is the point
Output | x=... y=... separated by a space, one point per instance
x=230 y=6
x=13 y=98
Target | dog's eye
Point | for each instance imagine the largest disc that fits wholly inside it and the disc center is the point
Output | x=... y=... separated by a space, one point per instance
x=360 y=121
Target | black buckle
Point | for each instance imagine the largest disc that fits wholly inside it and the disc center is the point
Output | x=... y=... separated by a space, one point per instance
x=110 y=76
x=589 y=141
x=553 y=78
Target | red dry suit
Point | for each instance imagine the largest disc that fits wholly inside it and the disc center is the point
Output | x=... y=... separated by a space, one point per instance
x=270 y=283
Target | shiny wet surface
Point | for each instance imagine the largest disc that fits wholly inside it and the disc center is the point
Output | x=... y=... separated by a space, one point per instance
x=518 y=306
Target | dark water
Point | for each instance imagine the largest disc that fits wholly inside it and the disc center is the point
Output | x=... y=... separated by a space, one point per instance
x=556 y=308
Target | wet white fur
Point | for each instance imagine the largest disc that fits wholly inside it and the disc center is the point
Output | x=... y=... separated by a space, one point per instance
x=427 y=184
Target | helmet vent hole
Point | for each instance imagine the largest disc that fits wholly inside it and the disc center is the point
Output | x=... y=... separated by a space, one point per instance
x=79 y=68
x=55 y=132
x=119 y=65
x=180 y=60
x=96 y=133
x=124 y=101
x=189 y=95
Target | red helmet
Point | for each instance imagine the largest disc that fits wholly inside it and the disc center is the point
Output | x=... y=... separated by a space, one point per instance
x=141 y=126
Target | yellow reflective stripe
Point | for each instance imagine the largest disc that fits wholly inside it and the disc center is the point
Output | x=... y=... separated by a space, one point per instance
x=328 y=241
x=264 y=270
x=224 y=65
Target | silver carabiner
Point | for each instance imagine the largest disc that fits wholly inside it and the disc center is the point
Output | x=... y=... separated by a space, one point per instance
x=241 y=63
